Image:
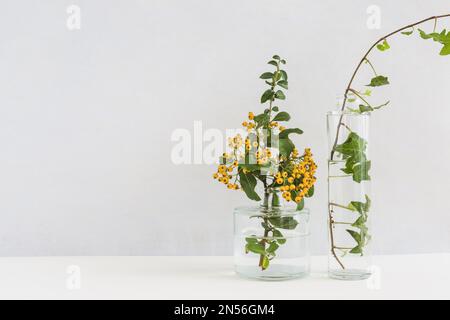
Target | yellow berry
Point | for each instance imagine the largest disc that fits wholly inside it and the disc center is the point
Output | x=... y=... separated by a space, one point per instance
x=251 y=116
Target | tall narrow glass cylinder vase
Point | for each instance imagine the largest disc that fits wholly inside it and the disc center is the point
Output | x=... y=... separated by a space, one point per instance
x=349 y=195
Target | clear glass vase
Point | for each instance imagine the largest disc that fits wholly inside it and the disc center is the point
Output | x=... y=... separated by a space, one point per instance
x=349 y=196
x=271 y=242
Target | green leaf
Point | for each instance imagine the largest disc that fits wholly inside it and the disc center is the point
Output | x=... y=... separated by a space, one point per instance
x=285 y=133
x=355 y=235
x=378 y=81
x=284 y=75
x=282 y=116
x=301 y=205
x=248 y=184
x=288 y=223
x=283 y=61
x=353 y=145
x=283 y=84
x=266 y=75
x=280 y=95
x=262 y=120
x=353 y=151
x=273 y=62
x=275 y=109
x=361 y=171
x=435 y=36
x=267 y=95
x=275 y=200
x=265 y=263
x=286 y=146
x=363 y=108
x=445 y=50
x=383 y=46
x=251 y=240
x=356 y=250
x=361 y=207
x=310 y=192
x=278 y=236
x=408 y=33
x=255 y=248
x=273 y=247
x=276 y=57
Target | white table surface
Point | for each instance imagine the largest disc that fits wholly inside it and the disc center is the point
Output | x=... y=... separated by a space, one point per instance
x=398 y=277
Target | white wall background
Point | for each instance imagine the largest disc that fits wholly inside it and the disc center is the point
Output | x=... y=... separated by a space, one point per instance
x=86 y=119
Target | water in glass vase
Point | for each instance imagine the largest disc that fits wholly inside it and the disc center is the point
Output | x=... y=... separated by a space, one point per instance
x=279 y=254
x=349 y=206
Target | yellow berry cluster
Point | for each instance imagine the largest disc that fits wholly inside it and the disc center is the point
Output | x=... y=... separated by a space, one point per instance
x=224 y=173
x=299 y=180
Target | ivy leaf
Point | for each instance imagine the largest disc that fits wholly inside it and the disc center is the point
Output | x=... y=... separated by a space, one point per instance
x=434 y=35
x=283 y=84
x=408 y=33
x=267 y=95
x=361 y=171
x=445 y=50
x=364 y=108
x=266 y=75
x=286 y=146
x=378 y=81
x=383 y=46
x=248 y=184
x=353 y=151
x=352 y=146
x=282 y=116
x=355 y=235
x=280 y=95
x=285 y=133
x=357 y=250
x=361 y=207
x=288 y=223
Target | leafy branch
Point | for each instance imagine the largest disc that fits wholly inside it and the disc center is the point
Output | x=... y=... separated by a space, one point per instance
x=353 y=149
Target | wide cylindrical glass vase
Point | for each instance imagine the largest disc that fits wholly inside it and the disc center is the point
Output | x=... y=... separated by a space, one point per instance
x=271 y=242
x=349 y=196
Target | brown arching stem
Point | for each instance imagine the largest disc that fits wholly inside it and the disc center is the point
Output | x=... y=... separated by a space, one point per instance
x=349 y=89
x=365 y=57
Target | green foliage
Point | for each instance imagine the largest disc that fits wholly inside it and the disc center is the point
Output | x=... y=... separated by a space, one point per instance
x=362 y=236
x=267 y=246
x=442 y=37
x=282 y=116
x=248 y=184
x=285 y=133
x=288 y=223
x=353 y=152
x=383 y=46
x=378 y=81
